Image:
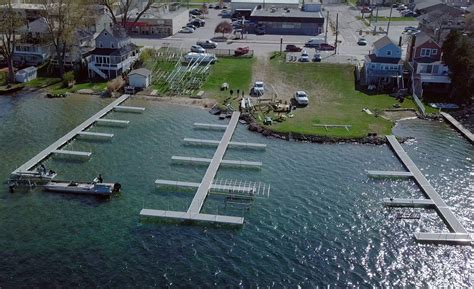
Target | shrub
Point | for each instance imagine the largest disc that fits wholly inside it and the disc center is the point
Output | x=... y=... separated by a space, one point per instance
x=68 y=78
x=115 y=84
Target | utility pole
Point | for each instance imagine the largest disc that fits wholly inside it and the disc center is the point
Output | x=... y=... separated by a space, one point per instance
x=376 y=19
x=337 y=31
x=389 y=19
x=327 y=24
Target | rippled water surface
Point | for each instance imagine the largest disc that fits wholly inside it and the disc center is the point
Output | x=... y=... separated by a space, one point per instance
x=322 y=225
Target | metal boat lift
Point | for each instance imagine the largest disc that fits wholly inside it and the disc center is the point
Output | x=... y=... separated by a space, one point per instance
x=210 y=185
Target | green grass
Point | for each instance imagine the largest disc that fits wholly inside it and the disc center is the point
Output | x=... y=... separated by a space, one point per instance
x=384 y=18
x=42 y=82
x=352 y=2
x=3 y=77
x=333 y=100
x=237 y=72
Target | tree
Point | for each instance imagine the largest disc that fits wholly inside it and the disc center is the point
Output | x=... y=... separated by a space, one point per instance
x=64 y=18
x=124 y=9
x=223 y=27
x=10 y=22
x=458 y=54
x=469 y=23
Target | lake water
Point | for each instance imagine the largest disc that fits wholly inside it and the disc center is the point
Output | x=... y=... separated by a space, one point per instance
x=323 y=224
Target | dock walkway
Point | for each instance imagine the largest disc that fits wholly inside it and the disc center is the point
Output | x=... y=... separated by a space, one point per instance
x=55 y=147
x=457 y=230
x=464 y=131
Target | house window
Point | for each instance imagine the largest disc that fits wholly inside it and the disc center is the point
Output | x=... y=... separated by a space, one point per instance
x=389 y=52
x=429 y=68
x=434 y=51
x=425 y=52
x=435 y=69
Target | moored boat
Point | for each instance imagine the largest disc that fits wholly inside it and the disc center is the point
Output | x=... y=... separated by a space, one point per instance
x=88 y=188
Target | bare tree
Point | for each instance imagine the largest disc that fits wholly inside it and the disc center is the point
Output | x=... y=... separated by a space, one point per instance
x=10 y=22
x=223 y=27
x=63 y=18
x=124 y=8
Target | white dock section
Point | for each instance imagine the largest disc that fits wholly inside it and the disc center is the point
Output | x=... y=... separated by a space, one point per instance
x=456 y=238
x=211 y=172
x=464 y=131
x=231 y=144
x=413 y=203
x=441 y=207
x=70 y=135
x=209 y=125
x=192 y=216
x=112 y=122
x=72 y=153
x=98 y=135
x=208 y=161
x=393 y=174
x=213 y=186
x=129 y=108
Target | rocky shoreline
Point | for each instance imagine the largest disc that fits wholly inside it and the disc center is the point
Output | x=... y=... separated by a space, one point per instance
x=373 y=140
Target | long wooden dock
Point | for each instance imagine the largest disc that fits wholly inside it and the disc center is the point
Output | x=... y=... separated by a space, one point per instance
x=464 y=131
x=231 y=144
x=26 y=167
x=392 y=174
x=453 y=224
x=194 y=210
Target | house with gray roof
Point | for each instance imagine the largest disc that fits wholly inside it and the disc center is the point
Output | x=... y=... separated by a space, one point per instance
x=383 y=67
x=114 y=54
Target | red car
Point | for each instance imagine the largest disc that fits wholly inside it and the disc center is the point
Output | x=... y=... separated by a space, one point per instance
x=292 y=48
x=325 y=46
x=241 y=51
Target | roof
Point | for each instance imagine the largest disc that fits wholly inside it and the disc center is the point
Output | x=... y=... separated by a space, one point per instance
x=27 y=69
x=428 y=3
x=426 y=60
x=390 y=60
x=421 y=38
x=268 y=2
x=382 y=42
x=114 y=52
x=286 y=13
x=141 y=71
x=37 y=26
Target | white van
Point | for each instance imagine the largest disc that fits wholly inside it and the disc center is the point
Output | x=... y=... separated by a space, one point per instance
x=314 y=42
x=200 y=57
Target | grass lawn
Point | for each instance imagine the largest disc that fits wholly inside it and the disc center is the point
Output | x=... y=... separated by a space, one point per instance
x=384 y=18
x=333 y=100
x=237 y=72
x=42 y=82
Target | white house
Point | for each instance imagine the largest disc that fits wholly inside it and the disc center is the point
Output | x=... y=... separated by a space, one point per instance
x=139 y=78
x=26 y=74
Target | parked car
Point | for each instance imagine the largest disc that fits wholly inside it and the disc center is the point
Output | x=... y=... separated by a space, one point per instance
x=241 y=51
x=186 y=30
x=207 y=44
x=301 y=98
x=198 y=22
x=325 y=46
x=410 y=28
x=195 y=12
x=258 y=88
x=401 y=7
x=409 y=14
x=304 y=57
x=395 y=5
x=197 y=49
x=292 y=48
x=317 y=57
x=260 y=30
x=190 y=25
x=362 y=41
x=314 y=42
x=217 y=6
x=366 y=10
x=211 y=5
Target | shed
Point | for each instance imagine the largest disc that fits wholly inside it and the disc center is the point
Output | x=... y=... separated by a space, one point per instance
x=139 y=78
x=26 y=74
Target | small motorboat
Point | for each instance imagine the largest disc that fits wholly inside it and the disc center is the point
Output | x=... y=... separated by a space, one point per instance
x=88 y=188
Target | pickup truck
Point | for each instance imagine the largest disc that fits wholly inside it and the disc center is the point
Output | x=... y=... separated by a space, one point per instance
x=207 y=44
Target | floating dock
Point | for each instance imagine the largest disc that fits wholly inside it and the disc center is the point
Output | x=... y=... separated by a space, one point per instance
x=390 y=174
x=412 y=203
x=56 y=146
x=72 y=153
x=231 y=144
x=458 y=233
x=129 y=108
x=464 y=131
x=208 y=182
x=209 y=126
x=112 y=122
x=96 y=135
x=208 y=161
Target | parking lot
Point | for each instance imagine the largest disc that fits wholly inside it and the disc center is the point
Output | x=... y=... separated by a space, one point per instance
x=349 y=32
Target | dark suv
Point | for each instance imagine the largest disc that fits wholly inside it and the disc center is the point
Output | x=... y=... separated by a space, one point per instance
x=292 y=48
